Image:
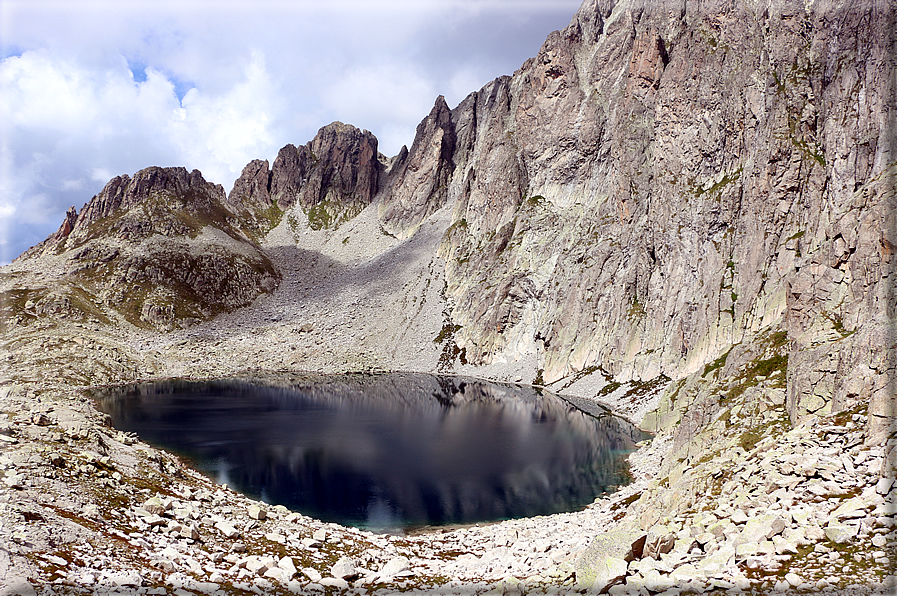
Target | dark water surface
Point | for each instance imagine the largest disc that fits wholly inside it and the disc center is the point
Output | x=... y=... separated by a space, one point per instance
x=385 y=452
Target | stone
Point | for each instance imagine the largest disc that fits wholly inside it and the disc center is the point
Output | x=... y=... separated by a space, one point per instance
x=660 y=540
x=123 y=578
x=840 y=533
x=784 y=546
x=747 y=549
x=312 y=574
x=255 y=565
x=762 y=527
x=19 y=586
x=604 y=572
x=257 y=513
x=228 y=530
x=344 y=568
x=849 y=509
x=277 y=574
x=15 y=481
x=600 y=560
x=793 y=579
x=40 y=419
x=705 y=537
x=288 y=567
x=655 y=582
x=813 y=532
x=718 y=561
x=394 y=566
x=156 y=505
x=684 y=574
x=738 y=517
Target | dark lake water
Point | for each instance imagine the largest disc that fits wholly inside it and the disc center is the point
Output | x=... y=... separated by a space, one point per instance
x=385 y=452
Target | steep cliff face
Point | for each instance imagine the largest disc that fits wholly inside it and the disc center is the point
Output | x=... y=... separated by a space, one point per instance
x=666 y=181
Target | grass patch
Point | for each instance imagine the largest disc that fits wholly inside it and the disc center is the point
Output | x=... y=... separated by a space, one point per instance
x=328 y=214
x=460 y=224
x=717 y=187
x=534 y=201
x=643 y=388
x=838 y=324
x=608 y=389
x=448 y=331
x=450 y=353
x=716 y=364
x=636 y=309
x=753 y=435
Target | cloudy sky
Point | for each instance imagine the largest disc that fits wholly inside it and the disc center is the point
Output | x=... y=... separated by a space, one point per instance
x=90 y=89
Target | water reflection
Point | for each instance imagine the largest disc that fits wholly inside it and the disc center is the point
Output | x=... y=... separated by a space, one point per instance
x=385 y=451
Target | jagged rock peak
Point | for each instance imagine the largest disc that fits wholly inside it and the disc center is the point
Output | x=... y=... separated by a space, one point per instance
x=418 y=184
x=124 y=192
x=332 y=177
x=346 y=166
x=253 y=187
x=588 y=23
x=289 y=173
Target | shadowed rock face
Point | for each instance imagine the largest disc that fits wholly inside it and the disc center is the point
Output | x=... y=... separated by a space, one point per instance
x=418 y=181
x=332 y=178
x=252 y=188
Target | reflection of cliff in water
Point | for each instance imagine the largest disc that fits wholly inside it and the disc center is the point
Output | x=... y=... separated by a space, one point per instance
x=385 y=450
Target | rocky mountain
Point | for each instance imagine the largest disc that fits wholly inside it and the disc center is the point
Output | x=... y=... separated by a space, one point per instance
x=685 y=210
x=160 y=249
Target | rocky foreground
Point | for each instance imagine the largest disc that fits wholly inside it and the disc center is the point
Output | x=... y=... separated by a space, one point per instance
x=88 y=509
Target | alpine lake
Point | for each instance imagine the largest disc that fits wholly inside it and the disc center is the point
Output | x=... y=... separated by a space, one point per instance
x=390 y=452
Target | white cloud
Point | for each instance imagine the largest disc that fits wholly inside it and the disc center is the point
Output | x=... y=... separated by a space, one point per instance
x=69 y=128
x=221 y=134
x=384 y=92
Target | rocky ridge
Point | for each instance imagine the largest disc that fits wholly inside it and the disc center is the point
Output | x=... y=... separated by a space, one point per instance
x=604 y=222
x=160 y=249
